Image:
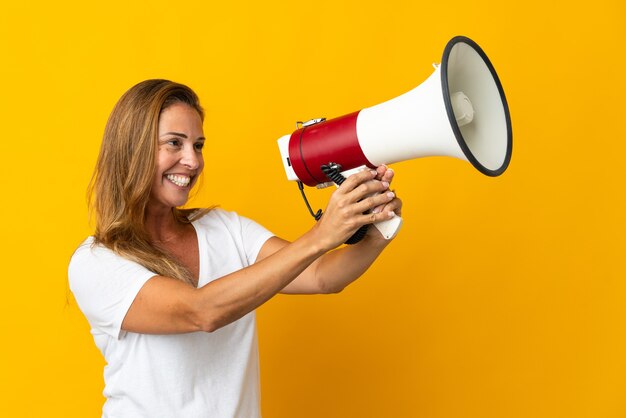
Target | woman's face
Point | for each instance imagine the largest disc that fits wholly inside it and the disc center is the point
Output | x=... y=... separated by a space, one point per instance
x=179 y=155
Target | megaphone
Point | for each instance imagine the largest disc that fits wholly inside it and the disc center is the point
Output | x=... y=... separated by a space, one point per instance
x=459 y=111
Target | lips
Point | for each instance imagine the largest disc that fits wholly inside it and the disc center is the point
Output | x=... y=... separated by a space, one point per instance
x=179 y=180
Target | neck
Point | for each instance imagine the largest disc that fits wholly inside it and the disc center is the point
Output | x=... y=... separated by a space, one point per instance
x=161 y=225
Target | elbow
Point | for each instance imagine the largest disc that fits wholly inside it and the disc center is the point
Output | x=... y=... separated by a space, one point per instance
x=202 y=319
x=209 y=327
x=324 y=282
x=206 y=324
x=334 y=291
x=330 y=288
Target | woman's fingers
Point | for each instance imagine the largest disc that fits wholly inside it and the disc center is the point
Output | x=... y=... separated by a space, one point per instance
x=365 y=192
x=356 y=180
x=372 y=218
x=385 y=174
x=363 y=198
x=394 y=206
x=373 y=202
x=380 y=171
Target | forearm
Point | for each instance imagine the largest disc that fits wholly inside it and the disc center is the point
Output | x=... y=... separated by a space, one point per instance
x=227 y=299
x=337 y=269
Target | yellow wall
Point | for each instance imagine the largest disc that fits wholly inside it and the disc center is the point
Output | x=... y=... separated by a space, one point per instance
x=501 y=297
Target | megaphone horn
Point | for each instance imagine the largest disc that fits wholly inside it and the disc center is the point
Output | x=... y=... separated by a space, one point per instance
x=459 y=111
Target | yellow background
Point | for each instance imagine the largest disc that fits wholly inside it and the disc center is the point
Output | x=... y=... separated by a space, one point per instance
x=501 y=297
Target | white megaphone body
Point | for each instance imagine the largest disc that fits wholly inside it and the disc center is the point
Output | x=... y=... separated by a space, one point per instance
x=459 y=111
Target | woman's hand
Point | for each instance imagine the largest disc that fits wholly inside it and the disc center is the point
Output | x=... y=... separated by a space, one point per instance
x=362 y=192
x=385 y=174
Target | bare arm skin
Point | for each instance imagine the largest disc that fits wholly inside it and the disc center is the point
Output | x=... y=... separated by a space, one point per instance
x=169 y=306
x=335 y=270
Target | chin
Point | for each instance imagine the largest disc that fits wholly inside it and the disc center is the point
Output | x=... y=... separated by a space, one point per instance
x=168 y=203
x=179 y=203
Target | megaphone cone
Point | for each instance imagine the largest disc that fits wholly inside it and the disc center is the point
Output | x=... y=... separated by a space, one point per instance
x=459 y=111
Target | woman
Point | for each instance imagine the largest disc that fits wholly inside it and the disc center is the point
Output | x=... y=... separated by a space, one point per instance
x=170 y=294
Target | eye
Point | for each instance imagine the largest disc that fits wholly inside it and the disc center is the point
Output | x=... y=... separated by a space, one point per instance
x=174 y=142
x=199 y=146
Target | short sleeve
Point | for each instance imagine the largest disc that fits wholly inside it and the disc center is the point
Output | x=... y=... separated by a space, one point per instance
x=253 y=237
x=105 y=285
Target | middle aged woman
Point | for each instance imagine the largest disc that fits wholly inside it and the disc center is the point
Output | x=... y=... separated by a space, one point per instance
x=170 y=294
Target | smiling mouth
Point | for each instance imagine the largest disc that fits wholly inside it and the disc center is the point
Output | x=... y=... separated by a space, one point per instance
x=181 y=181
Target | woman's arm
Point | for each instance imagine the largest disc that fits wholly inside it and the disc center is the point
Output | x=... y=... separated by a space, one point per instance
x=333 y=271
x=165 y=305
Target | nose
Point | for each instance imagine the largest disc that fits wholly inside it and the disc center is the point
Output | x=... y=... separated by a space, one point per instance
x=190 y=158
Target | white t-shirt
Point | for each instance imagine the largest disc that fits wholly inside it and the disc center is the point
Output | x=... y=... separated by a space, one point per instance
x=184 y=375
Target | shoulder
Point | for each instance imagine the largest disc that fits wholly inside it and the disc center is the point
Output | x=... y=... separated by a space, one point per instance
x=219 y=225
x=214 y=215
x=104 y=284
x=91 y=260
x=228 y=219
x=89 y=251
x=218 y=217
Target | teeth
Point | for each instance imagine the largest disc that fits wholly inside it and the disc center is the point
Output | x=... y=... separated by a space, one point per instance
x=181 y=181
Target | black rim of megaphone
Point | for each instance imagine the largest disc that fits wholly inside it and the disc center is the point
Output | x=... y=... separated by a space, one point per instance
x=450 y=111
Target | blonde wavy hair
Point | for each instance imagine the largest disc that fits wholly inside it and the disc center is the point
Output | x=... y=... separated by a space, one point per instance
x=121 y=183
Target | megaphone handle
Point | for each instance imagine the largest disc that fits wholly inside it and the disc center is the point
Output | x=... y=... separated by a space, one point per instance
x=390 y=227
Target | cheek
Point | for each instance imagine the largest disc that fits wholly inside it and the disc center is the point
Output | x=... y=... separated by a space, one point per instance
x=200 y=163
x=160 y=160
x=159 y=171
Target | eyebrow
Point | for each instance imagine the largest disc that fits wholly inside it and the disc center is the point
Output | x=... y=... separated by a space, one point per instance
x=179 y=134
